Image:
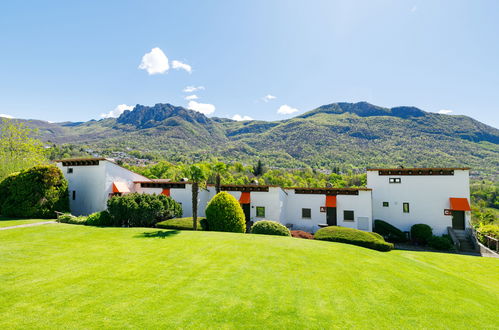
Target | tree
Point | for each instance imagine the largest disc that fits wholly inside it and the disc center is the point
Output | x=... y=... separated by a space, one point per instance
x=224 y=213
x=18 y=149
x=258 y=170
x=198 y=177
x=219 y=169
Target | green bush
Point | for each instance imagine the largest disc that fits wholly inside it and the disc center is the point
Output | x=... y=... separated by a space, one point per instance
x=440 y=242
x=182 y=224
x=352 y=236
x=223 y=213
x=267 y=227
x=142 y=210
x=389 y=232
x=487 y=230
x=71 y=219
x=376 y=235
x=36 y=192
x=101 y=219
x=421 y=233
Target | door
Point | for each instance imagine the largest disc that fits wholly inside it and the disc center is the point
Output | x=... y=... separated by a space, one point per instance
x=246 y=210
x=458 y=220
x=331 y=216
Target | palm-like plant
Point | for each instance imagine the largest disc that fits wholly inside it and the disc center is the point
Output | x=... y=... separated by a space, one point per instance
x=219 y=169
x=198 y=177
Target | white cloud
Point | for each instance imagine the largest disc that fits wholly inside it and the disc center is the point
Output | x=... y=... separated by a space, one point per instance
x=154 y=62
x=116 y=112
x=190 y=89
x=268 y=97
x=241 y=118
x=191 y=97
x=183 y=66
x=204 y=108
x=444 y=111
x=286 y=110
x=414 y=8
x=6 y=116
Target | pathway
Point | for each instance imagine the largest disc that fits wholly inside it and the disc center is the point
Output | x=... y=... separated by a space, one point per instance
x=28 y=225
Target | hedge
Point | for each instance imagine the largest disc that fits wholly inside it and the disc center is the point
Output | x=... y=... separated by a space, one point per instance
x=36 y=192
x=440 y=242
x=267 y=227
x=69 y=218
x=182 y=224
x=389 y=232
x=352 y=236
x=421 y=233
x=223 y=213
x=101 y=219
x=142 y=210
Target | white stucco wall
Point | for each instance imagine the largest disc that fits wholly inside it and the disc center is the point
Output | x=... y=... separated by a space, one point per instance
x=427 y=195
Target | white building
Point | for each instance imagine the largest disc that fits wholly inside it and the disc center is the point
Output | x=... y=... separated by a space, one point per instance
x=438 y=197
x=401 y=197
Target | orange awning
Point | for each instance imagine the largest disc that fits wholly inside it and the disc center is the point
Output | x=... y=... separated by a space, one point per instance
x=120 y=187
x=166 y=192
x=330 y=201
x=459 y=204
x=245 y=198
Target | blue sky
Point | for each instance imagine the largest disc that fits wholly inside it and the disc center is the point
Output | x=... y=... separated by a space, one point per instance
x=74 y=61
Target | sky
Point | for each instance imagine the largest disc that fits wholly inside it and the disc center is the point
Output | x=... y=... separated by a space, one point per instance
x=268 y=60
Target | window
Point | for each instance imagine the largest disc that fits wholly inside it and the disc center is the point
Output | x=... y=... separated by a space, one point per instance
x=348 y=216
x=394 y=180
x=260 y=211
x=70 y=170
x=306 y=213
x=74 y=194
x=405 y=207
x=386 y=204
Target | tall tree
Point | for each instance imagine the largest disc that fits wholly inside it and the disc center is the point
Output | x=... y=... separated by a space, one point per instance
x=258 y=170
x=18 y=148
x=219 y=169
x=198 y=178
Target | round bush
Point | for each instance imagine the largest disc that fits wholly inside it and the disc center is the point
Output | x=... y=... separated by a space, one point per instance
x=389 y=232
x=223 y=213
x=101 y=219
x=142 y=210
x=352 y=236
x=440 y=242
x=267 y=227
x=36 y=192
x=421 y=233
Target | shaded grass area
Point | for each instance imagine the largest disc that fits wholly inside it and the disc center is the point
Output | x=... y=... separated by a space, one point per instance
x=87 y=277
x=7 y=222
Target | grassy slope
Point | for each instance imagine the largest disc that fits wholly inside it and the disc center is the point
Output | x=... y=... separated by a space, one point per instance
x=76 y=276
x=7 y=222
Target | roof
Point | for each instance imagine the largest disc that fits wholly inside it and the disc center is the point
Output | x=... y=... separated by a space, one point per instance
x=420 y=168
x=328 y=188
x=83 y=159
x=244 y=185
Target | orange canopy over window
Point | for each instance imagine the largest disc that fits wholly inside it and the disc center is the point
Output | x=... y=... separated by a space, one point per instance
x=330 y=201
x=245 y=198
x=166 y=192
x=459 y=204
x=120 y=187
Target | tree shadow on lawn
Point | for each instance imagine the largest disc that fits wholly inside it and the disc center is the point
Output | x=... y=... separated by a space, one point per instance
x=157 y=234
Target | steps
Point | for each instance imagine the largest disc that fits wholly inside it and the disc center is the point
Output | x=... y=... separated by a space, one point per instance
x=465 y=243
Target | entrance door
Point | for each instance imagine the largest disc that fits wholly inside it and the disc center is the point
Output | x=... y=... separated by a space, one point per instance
x=458 y=220
x=247 y=216
x=331 y=216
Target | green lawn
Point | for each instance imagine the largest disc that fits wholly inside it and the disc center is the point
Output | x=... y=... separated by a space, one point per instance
x=7 y=222
x=69 y=276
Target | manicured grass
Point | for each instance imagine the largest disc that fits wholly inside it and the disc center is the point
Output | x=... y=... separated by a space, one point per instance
x=68 y=276
x=7 y=222
x=180 y=224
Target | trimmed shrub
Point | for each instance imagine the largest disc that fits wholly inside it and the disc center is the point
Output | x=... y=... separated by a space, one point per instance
x=389 y=232
x=71 y=219
x=421 y=233
x=101 y=219
x=223 y=213
x=440 y=242
x=301 y=234
x=487 y=230
x=376 y=235
x=182 y=224
x=36 y=192
x=267 y=227
x=142 y=210
x=352 y=236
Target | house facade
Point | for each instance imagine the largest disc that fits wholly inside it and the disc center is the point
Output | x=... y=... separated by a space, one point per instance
x=402 y=197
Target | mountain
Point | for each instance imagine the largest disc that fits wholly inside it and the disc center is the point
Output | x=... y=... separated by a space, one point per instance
x=338 y=134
